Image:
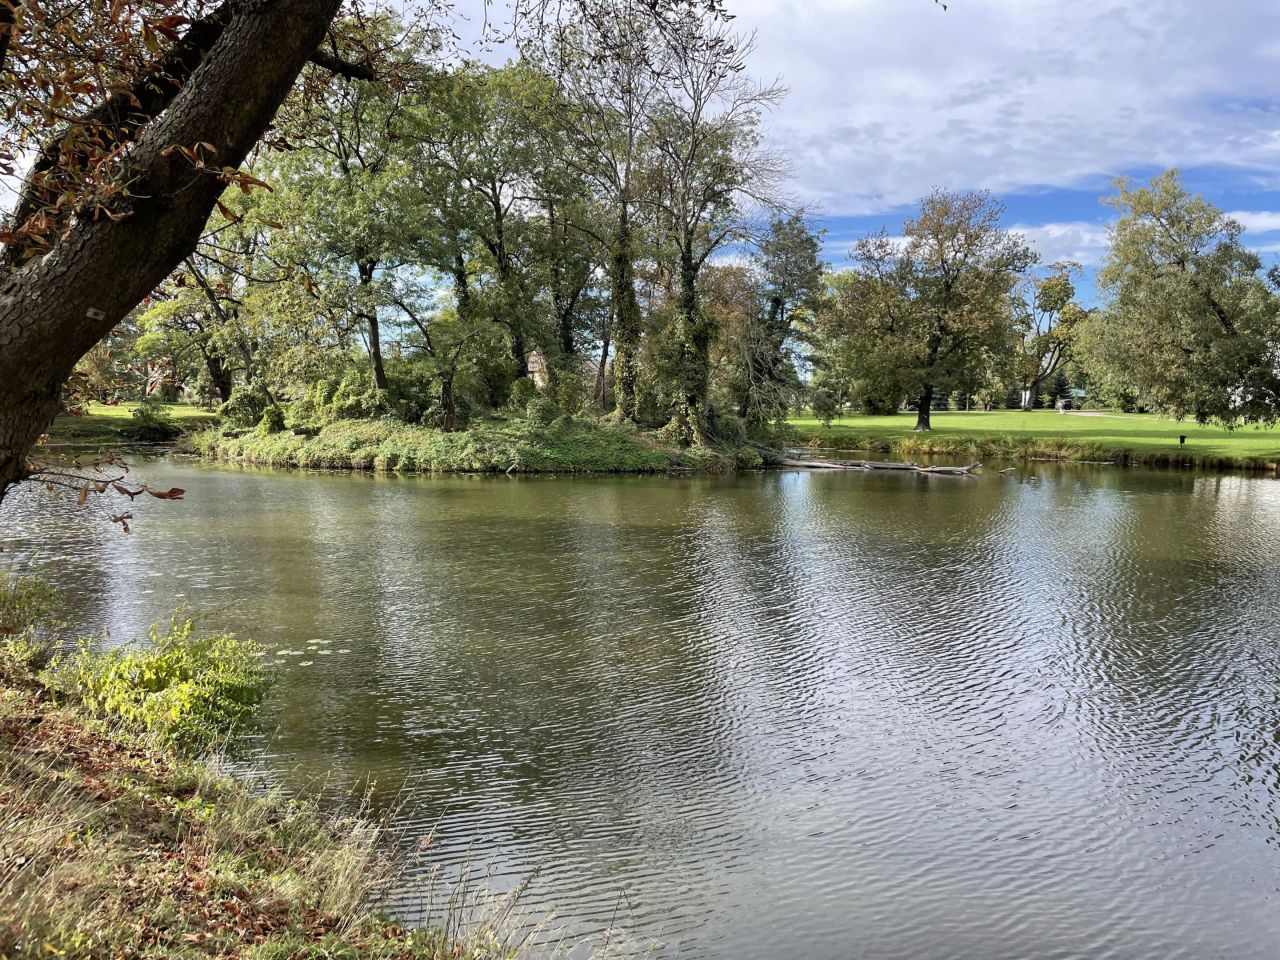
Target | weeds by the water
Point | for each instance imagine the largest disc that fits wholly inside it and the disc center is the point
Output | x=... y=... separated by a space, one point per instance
x=568 y=445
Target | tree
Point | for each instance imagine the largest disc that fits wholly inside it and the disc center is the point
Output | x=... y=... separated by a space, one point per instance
x=610 y=71
x=931 y=310
x=758 y=336
x=709 y=160
x=173 y=127
x=1048 y=319
x=1189 y=325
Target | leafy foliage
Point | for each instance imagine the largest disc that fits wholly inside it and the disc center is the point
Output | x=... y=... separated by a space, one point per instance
x=187 y=688
x=153 y=423
x=1191 y=327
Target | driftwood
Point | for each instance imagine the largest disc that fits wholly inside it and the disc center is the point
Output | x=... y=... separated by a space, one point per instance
x=880 y=465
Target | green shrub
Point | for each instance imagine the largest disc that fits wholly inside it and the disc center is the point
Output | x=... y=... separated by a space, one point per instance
x=244 y=409
x=190 y=690
x=825 y=406
x=523 y=391
x=272 y=420
x=541 y=412
x=153 y=423
x=572 y=393
x=28 y=623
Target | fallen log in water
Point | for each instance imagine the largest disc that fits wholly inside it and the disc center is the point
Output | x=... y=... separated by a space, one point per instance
x=952 y=471
x=879 y=465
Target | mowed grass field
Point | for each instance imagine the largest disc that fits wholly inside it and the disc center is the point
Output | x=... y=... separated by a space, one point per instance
x=103 y=424
x=1128 y=437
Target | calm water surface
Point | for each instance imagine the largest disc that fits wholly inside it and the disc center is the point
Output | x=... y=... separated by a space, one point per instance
x=806 y=715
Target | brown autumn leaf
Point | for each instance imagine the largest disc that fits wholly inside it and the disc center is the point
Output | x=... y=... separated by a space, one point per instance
x=175 y=493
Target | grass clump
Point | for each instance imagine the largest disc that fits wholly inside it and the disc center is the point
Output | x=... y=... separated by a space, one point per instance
x=563 y=445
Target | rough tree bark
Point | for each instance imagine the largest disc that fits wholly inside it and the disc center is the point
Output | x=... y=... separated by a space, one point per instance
x=924 y=408
x=54 y=308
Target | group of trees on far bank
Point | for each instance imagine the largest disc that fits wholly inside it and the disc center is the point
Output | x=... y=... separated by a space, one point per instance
x=959 y=311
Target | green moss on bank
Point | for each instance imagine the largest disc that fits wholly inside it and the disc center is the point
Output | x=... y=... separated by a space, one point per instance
x=517 y=446
x=1123 y=439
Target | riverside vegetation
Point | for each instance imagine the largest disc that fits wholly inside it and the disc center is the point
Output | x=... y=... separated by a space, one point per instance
x=118 y=840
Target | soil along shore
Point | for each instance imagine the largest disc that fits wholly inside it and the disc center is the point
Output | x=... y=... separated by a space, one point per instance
x=1121 y=439
x=116 y=841
x=569 y=445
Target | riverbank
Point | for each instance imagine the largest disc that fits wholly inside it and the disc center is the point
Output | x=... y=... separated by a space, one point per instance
x=1122 y=439
x=516 y=445
x=102 y=425
x=115 y=842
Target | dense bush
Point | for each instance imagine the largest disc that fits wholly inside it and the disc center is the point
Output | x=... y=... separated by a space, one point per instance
x=523 y=391
x=272 y=420
x=188 y=689
x=28 y=624
x=541 y=412
x=825 y=405
x=573 y=392
x=351 y=396
x=244 y=409
x=152 y=423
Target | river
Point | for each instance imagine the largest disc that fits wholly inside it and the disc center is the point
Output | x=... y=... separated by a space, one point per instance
x=790 y=714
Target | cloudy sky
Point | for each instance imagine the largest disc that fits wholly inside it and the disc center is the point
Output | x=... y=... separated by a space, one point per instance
x=1043 y=102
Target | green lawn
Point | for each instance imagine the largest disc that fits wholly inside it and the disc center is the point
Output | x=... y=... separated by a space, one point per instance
x=102 y=424
x=1077 y=435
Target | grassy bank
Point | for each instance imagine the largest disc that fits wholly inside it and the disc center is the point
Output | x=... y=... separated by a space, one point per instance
x=494 y=446
x=105 y=426
x=1127 y=439
x=116 y=843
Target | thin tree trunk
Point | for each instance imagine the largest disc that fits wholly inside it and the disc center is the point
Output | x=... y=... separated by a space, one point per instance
x=602 y=371
x=626 y=335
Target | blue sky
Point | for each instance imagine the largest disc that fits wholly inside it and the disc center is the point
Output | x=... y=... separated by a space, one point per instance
x=1043 y=102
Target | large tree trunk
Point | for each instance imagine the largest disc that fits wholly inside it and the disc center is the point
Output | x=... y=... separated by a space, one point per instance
x=219 y=375
x=626 y=333
x=55 y=308
x=375 y=351
x=932 y=349
x=448 y=405
x=925 y=409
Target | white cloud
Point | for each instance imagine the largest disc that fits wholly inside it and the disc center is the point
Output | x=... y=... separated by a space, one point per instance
x=1257 y=221
x=892 y=97
x=1085 y=243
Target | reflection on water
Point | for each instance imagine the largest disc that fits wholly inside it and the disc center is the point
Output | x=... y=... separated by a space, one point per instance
x=806 y=715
